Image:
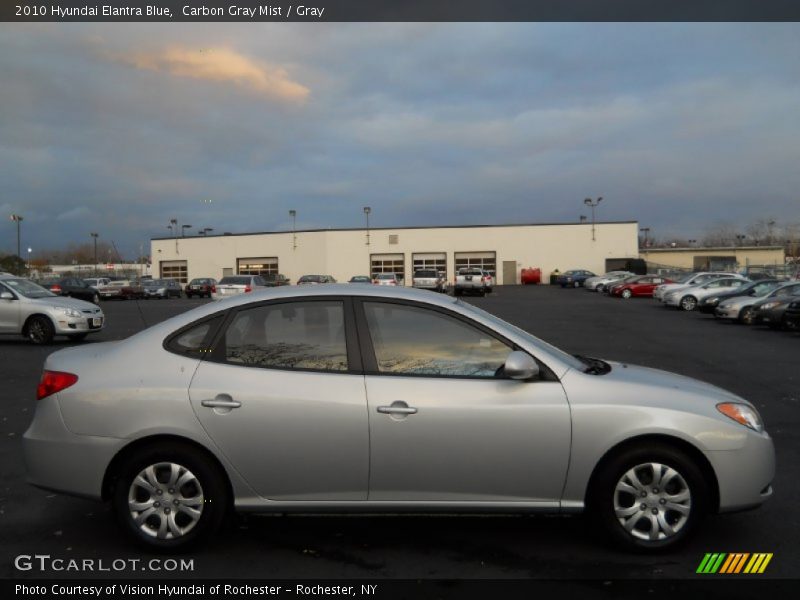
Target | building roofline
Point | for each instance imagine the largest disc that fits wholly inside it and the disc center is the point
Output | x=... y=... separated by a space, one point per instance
x=284 y=232
x=707 y=249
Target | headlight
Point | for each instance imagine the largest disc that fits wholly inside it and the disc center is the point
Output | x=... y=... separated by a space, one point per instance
x=768 y=305
x=742 y=414
x=712 y=301
x=725 y=305
x=70 y=312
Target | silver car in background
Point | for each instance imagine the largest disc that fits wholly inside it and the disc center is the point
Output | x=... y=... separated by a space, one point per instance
x=687 y=298
x=429 y=279
x=233 y=285
x=36 y=313
x=688 y=280
x=599 y=282
x=341 y=398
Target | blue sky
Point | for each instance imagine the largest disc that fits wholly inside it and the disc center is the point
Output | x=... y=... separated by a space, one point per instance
x=117 y=128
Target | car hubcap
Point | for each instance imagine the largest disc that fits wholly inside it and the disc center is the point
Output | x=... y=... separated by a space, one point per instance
x=652 y=502
x=688 y=303
x=626 y=294
x=747 y=316
x=165 y=501
x=36 y=331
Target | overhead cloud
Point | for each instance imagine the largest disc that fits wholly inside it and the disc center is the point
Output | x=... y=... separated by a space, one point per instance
x=222 y=65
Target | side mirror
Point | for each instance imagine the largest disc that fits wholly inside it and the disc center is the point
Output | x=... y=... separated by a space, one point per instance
x=6 y=296
x=520 y=365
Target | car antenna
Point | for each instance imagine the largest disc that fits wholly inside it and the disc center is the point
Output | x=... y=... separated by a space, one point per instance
x=135 y=298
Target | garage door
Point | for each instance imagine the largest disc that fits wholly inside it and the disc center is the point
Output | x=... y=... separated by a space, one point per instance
x=257 y=266
x=430 y=260
x=174 y=269
x=388 y=263
x=482 y=260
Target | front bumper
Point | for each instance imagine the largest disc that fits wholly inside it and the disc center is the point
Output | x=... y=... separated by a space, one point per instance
x=669 y=301
x=744 y=475
x=66 y=325
x=729 y=312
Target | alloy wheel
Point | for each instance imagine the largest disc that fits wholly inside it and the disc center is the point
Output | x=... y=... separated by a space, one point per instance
x=165 y=500
x=688 y=303
x=652 y=501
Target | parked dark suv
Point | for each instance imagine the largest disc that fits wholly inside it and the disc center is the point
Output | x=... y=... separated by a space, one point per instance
x=200 y=287
x=74 y=288
x=275 y=280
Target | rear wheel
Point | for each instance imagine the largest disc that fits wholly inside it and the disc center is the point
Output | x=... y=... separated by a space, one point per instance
x=170 y=496
x=649 y=497
x=576 y=284
x=40 y=330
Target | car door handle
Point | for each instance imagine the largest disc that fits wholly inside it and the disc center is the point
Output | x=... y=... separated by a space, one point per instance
x=397 y=408
x=222 y=401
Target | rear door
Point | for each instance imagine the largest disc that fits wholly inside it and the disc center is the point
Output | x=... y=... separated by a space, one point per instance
x=282 y=395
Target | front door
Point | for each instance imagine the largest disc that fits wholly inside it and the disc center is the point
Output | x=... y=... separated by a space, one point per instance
x=446 y=425
x=279 y=399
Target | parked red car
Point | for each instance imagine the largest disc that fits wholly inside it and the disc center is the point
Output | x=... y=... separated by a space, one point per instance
x=639 y=286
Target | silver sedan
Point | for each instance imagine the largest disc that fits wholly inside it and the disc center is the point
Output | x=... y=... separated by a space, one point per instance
x=347 y=398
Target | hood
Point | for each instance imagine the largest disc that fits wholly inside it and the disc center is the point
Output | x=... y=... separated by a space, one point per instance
x=64 y=302
x=622 y=373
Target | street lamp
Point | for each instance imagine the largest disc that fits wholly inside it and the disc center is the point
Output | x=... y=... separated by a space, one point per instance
x=367 y=210
x=583 y=218
x=740 y=238
x=293 y=214
x=173 y=226
x=646 y=231
x=95 y=236
x=593 y=205
x=18 y=220
x=184 y=228
x=205 y=230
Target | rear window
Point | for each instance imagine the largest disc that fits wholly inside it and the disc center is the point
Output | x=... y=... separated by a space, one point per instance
x=470 y=272
x=311 y=278
x=235 y=281
x=426 y=274
x=385 y=276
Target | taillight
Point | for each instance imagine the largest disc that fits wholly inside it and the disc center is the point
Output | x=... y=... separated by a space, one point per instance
x=248 y=289
x=55 y=289
x=213 y=289
x=483 y=279
x=375 y=281
x=53 y=382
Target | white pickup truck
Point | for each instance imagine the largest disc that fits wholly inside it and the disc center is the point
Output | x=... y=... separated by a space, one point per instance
x=470 y=280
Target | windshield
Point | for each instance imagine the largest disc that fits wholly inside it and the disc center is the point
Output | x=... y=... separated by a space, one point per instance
x=568 y=359
x=762 y=288
x=28 y=289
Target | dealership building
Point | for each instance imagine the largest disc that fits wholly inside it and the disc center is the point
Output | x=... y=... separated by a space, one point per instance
x=502 y=249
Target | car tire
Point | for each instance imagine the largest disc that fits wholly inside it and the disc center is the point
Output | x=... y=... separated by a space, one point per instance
x=688 y=303
x=576 y=284
x=78 y=337
x=599 y=288
x=164 y=520
x=39 y=330
x=747 y=316
x=636 y=513
x=96 y=299
x=626 y=294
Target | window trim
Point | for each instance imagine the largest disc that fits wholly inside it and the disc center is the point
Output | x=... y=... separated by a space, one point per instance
x=218 y=355
x=370 y=361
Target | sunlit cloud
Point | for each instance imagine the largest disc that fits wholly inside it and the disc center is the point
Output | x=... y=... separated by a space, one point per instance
x=222 y=65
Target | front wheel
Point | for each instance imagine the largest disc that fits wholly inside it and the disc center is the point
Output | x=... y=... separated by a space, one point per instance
x=40 y=330
x=96 y=299
x=688 y=303
x=169 y=497
x=576 y=284
x=747 y=315
x=626 y=294
x=649 y=497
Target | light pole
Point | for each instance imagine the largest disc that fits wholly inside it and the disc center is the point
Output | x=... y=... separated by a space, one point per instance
x=173 y=225
x=367 y=210
x=18 y=220
x=184 y=228
x=646 y=231
x=740 y=238
x=293 y=214
x=593 y=205
x=205 y=230
x=95 y=236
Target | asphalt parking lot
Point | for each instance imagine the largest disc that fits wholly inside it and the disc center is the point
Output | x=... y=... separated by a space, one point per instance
x=759 y=364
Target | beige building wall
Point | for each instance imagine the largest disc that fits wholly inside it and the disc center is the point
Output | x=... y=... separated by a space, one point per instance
x=684 y=258
x=344 y=253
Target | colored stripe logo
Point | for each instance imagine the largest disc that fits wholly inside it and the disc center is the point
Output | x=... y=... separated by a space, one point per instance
x=734 y=563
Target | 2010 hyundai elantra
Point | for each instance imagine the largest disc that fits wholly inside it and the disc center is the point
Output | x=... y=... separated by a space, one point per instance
x=341 y=398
